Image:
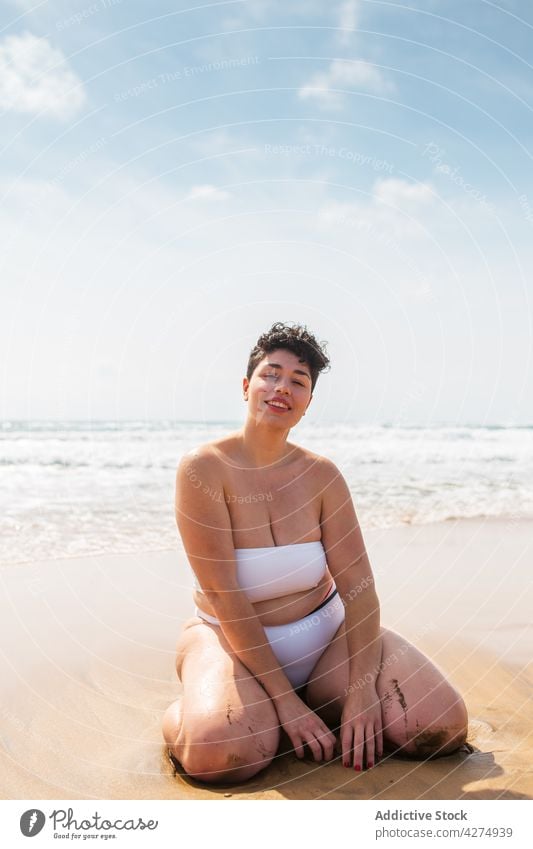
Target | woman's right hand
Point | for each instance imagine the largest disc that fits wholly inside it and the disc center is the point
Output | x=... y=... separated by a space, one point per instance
x=304 y=728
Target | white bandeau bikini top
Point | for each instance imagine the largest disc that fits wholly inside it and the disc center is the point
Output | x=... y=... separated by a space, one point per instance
x=277 y=570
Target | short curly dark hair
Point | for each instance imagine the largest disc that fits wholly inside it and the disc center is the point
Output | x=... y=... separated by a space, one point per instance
x=295 y=338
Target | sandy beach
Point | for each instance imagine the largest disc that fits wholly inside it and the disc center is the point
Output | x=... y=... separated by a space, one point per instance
x=87 y=670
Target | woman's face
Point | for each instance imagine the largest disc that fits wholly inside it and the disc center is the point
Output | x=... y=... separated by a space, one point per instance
x=279 y=390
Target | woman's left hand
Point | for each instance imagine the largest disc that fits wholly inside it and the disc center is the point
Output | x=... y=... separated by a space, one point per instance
x=361 y=728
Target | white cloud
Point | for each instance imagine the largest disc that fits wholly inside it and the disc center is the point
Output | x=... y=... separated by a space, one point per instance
x=400 y=193
x=395 y=206
x=35 y=77
x=348 y=16
x=342 y=73
x=207 y=192
x=34 y=196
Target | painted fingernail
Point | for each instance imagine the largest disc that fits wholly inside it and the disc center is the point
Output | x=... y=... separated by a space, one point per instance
x=370 y=764
x=358 y=767
x=345 y=764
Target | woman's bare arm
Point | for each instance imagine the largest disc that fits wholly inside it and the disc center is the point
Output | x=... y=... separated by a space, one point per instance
x=204 y=523
x=361 y=722
x=350 y=567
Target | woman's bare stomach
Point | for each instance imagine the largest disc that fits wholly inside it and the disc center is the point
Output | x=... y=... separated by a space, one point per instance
x=282 y=610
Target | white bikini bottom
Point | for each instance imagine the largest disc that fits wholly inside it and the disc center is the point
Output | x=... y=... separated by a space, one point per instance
x=298 y=645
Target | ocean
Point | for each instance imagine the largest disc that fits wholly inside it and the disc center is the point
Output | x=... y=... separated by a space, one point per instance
x=75 y=488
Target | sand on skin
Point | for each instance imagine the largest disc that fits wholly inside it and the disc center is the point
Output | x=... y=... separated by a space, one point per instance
x=88 y=670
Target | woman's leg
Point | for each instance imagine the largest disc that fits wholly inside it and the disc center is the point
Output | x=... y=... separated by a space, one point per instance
x=225 y=727
x=422 y=714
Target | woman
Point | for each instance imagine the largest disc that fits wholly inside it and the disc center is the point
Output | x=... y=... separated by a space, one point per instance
x=287 y=628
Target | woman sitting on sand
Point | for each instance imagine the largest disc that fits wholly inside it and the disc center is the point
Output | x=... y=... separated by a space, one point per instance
x=287 y=628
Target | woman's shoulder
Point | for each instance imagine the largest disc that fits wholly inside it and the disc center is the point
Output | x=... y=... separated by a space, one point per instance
x=223 y=452
x=317 y=467
x=209 y=454
x=319 y=460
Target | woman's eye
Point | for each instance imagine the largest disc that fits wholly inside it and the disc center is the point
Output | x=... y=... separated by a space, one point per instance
x=297 y=382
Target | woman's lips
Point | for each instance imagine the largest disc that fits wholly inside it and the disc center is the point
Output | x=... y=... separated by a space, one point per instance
x=276 y=408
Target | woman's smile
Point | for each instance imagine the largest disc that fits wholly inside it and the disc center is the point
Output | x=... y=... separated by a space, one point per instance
x=278 y=405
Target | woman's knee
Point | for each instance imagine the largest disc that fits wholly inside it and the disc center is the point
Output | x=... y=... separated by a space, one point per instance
x=443 y=736
x=434 y=742
x=207 y=753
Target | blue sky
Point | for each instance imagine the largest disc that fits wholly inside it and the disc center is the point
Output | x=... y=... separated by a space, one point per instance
x=175 y=177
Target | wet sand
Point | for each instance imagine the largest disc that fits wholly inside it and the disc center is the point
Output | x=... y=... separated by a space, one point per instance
x=87 y=670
